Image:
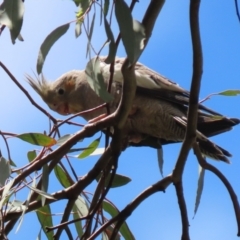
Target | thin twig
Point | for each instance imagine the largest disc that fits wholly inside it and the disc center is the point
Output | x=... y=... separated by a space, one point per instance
x=26 y=93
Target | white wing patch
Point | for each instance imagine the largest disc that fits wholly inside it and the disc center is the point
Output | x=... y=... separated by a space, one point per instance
x=145 y=77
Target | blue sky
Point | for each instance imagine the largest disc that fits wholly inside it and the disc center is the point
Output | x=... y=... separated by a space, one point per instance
x=169 y=53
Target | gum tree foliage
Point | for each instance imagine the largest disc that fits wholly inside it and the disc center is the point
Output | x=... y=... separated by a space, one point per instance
x=93 y=214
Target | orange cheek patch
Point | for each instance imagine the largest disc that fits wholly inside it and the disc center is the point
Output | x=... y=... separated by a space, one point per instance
x=70 y=85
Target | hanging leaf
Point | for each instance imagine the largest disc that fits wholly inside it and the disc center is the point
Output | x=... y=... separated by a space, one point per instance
x=113 y=211
x=106 y=7
x=82 y=206
x=112 y=46
x=11 y=15
x=89 y=35
x=37 y=139
x=132 y=31
x=62 y=177
x=90 y=149
x=199 y=189
x=45 y=219
x=160 y=159
x=96 y=80
x=48 y=43
x=31 y=155
x=78 y=29
x=78 y=224
x=5 y=171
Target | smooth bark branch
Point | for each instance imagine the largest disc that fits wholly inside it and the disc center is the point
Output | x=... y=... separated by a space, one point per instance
x=183 y=210
x=224 y=180
x=194 y=92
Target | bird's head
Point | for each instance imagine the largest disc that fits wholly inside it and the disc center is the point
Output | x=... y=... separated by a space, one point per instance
x=58 y=95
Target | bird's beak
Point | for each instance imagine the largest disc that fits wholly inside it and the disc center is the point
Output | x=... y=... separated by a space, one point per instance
x=63 y=109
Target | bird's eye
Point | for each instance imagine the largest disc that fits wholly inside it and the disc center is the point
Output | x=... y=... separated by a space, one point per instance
x=61 y=91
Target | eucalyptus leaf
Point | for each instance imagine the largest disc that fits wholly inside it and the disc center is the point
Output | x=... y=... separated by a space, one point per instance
x=5 y=171
x=48 y=43
x=113 y=211
x=199 y=189
x=230 y=93
x=11 y=15
x=112 y=46
x=96 y=80
x=90 y=149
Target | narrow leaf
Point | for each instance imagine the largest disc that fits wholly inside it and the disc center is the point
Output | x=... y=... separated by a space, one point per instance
x=90 y=149
x=40 y=192
x=11 y=15
x=112 y=46
x=37 y=139
x=78 y=224
x=113 y=211
x=62 y=177
x=48 y=43
x=199 y=189
x=96 y=80
x=118 y=180
x=125 y=23
x=230 y=93
x=81 y=206
x=45 y=180
x=5 y=171
x=45 y=218
x=78 y=29
x=89 y=35
x=160 y=159
x=106 y=7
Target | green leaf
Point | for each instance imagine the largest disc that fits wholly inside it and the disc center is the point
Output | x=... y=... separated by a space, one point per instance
x=112 y=46
x=230 y=93
x=160 y=159
x=45 y=180
x=91 y=148
x=83 y=6
x=89 y=35
x=78 y=29
x=31 y=155
x=113 y=211
x=37 y=139
x=106 y=7
x=96 y=80
x=62 y=177
x=199 y=189
x=118 y=180
x=45 y=218
x=48 y=43
x=5 y=171
x=11 y=15
x=81 y=206
x=40 y=192
x=132 y=31
x=78 y=224
x=63 y=139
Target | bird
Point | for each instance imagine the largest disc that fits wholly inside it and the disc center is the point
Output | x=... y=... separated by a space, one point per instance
x=158 y=113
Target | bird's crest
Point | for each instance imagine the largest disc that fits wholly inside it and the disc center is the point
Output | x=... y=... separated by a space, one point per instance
x=40 y=85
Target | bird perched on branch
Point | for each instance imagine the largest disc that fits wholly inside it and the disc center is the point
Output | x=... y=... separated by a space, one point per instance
x=159 y=108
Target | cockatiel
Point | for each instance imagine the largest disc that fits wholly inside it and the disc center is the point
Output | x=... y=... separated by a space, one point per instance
x=159 y=108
